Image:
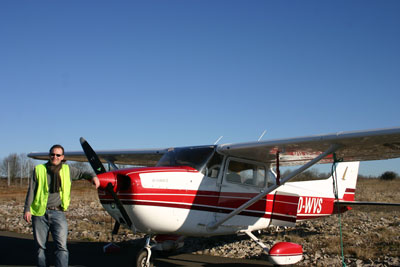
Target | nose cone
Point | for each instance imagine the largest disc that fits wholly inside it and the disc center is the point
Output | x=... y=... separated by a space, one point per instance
x=106 y=178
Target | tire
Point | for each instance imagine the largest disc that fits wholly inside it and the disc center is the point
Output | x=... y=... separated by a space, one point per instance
x=141 y=259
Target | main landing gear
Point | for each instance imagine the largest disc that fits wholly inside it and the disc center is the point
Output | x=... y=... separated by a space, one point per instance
x=282 y=253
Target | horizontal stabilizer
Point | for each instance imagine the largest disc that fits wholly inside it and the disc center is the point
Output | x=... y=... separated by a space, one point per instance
x=365 y=203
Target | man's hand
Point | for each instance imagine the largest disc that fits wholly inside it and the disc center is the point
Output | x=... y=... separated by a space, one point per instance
x=27 y=216
x=96 y=181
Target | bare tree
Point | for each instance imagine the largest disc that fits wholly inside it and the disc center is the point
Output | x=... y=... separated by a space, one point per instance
x=26 y=166
x=83 y=166
x=10 y=165
x=17 y=166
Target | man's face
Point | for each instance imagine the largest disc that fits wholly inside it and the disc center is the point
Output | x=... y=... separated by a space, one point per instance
x=56 y=156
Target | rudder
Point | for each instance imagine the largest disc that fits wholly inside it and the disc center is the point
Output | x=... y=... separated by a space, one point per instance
x=346 y=176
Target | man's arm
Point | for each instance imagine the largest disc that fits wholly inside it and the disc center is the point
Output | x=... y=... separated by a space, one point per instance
x=29 y=197
x=96 y=182
x=77 y=174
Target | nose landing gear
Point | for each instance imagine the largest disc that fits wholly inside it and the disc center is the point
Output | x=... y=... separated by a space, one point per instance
x=143 y=258
x=161 y=243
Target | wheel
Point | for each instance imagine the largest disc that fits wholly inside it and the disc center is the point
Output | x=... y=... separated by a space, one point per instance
x=141 y=259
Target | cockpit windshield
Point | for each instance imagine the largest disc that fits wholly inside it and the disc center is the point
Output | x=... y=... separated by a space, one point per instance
x=195 y=157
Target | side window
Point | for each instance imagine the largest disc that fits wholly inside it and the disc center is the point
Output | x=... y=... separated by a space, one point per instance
x=245 y=173
x=260 y=178
x=214 y=166
x=271 y=178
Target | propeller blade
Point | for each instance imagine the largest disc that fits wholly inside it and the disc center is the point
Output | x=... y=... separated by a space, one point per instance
x=98 y=169
x=116 y=228
x=118 y=202
x=92 y=157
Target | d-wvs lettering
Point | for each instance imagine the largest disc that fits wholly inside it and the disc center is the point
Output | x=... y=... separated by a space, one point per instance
x=310 y=205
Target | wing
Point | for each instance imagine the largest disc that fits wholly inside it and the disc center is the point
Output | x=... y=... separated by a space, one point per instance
x=354 y=146
x=147 y=157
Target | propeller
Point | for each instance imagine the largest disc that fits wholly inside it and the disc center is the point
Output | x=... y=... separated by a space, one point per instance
x=92 y=157
x=99 y=169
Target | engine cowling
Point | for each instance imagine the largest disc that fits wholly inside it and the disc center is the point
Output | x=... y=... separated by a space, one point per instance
x=106 y=178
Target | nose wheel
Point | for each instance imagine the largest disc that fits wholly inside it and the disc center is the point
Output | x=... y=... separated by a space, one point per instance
x=143 y=258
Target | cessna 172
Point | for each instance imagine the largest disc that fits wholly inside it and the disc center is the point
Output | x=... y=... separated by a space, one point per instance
x=231 y=188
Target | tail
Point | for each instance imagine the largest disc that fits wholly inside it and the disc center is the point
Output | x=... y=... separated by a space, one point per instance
x=317 y=197
x=342 y=181
x=347 y=188
x=345 y=180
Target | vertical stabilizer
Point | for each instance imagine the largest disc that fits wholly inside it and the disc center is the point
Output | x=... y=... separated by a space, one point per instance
x=346 y=176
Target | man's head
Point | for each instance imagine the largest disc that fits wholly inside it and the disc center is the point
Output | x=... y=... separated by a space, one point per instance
x=56 y=154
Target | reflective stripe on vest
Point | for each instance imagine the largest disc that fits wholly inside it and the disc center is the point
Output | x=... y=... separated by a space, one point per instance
x=39 y=204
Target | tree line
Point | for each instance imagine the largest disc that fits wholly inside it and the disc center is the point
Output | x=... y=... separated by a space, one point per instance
x=16 y=166
x=314 y=174
x=20 y=166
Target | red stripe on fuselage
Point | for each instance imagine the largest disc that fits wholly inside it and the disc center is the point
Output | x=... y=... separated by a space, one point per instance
x=210 y=201
x=215 y=201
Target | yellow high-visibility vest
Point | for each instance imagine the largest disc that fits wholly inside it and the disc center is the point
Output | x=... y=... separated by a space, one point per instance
x=39 y=204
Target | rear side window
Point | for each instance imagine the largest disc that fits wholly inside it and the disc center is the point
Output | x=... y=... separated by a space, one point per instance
x=245 y=173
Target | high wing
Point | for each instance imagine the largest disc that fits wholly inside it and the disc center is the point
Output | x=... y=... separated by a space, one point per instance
x=146 y=157
x=353 y=146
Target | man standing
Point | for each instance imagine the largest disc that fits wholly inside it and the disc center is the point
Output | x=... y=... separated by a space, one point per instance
x=47 y=199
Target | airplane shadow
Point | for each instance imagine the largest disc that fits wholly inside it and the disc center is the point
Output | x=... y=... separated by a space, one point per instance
x=269 y=234
x=18 y=250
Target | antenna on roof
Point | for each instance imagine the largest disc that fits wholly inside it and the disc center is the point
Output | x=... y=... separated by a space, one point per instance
x=262 y=135
x=218 y=140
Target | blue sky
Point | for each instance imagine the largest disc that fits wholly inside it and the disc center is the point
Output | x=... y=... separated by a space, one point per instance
x=145 y=74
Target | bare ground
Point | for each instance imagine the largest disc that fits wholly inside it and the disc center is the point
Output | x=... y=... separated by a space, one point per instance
x=370 y=234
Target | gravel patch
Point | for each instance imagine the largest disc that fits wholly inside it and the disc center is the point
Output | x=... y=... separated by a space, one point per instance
x=370 y=235
x=88 y=221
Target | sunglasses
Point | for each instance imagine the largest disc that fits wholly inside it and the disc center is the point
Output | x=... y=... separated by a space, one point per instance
x=55 y=155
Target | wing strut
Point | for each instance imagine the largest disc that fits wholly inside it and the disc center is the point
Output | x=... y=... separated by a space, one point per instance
x=278 y=172
x=213 y=226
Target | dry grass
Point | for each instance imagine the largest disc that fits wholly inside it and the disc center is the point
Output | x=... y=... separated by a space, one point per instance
x=378 y=190
x=368 y=232
x=377 y=227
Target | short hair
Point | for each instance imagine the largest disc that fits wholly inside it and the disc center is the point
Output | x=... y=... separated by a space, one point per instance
x=57 y=146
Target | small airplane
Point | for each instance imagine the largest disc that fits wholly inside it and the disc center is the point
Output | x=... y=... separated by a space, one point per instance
x=231 y=188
